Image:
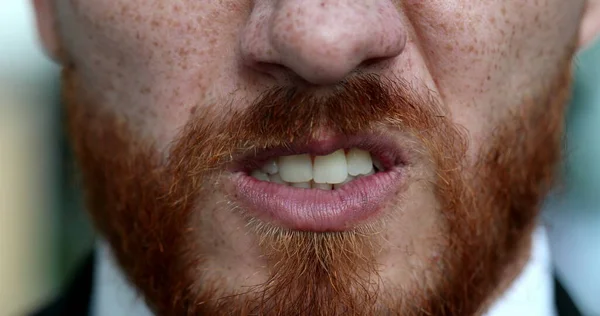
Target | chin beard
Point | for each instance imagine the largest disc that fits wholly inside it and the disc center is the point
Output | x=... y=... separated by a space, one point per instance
x=143 y=204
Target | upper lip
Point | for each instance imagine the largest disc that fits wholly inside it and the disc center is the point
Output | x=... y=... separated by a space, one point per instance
x=378 y=145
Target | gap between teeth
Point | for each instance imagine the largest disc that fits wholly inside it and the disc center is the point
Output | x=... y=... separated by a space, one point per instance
x=319 y=172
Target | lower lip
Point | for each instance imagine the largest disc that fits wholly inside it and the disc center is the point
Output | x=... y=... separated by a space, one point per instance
x=318 y=210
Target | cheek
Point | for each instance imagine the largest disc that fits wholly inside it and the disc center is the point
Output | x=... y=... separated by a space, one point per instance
x=485 y=57
x=154 y=63
x=482 y=44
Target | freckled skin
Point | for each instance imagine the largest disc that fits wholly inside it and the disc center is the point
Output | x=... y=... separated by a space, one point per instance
x=161 y=59
x=156 y=63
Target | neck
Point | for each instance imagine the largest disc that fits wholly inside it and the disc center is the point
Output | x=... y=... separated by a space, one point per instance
x=531 y=293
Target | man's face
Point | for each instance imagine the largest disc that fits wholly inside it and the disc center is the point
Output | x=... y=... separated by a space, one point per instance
x=318 y=157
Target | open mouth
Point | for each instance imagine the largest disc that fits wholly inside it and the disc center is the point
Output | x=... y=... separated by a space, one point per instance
x=328 y=172
x=325 y=185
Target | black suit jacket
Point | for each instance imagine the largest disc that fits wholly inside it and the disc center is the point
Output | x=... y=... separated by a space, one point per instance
x=76 y=300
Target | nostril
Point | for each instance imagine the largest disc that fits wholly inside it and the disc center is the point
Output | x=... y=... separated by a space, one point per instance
x=276 y=71
x=372 y=61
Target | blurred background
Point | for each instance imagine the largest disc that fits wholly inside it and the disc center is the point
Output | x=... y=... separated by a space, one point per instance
x=44 y=233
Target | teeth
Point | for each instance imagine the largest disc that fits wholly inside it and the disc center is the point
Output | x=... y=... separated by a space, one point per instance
x=277 y=179
x=348 y=179
x=322 y=186
x=331 y=168
x=270 y=167
x=321 y=172
x=296 y=169
x=303 y=185
x=260 y=175
x=359 y=162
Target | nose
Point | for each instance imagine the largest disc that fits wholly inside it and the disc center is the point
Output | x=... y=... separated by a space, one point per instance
x=320 y=41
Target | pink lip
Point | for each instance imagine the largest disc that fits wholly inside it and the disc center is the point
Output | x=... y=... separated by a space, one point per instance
x=319 y=210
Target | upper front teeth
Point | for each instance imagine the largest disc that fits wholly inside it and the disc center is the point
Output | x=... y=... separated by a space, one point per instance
x=322 y=172
x=330 y=169
x=296 y=169
x=359 y=162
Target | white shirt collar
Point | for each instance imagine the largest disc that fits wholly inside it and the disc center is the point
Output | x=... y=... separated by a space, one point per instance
x=112 y=295
x=532 y=293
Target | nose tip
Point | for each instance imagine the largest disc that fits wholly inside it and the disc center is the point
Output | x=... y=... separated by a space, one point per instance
x=321 y=42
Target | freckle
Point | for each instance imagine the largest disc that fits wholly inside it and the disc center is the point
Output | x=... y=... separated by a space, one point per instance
x=449 y=47
x=193 y=110
x=444 y=27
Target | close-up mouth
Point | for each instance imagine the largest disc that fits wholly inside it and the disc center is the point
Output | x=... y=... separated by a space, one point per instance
x=322 y=185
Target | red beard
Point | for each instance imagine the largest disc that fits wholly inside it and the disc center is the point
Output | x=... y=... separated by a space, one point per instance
x=143 y=204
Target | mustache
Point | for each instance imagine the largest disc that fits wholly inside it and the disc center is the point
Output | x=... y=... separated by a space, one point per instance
x=283 y=115
x=143 y=203
x=327 y=272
